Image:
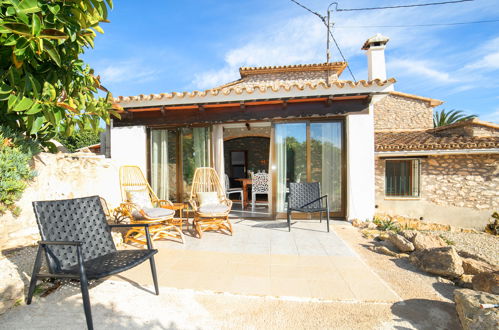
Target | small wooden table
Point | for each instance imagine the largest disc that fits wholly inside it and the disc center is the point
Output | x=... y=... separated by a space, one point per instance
x=246 y=182
x=180 y=207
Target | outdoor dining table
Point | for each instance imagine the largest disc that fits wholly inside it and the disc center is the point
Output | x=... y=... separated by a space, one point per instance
x=246 y=182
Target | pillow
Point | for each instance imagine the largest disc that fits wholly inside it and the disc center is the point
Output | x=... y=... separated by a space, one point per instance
x=140 y=198
x=208 y=198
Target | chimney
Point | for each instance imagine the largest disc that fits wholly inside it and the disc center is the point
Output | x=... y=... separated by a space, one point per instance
x=375 y=51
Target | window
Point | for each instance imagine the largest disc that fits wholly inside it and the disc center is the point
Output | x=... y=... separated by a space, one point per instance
x=402 y=177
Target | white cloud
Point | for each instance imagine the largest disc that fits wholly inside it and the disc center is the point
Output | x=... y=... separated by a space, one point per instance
x=126 y=71
x=421 y=68
x=489 y=56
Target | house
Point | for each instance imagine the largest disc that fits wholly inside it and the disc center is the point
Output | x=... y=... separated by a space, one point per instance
x=302 y=123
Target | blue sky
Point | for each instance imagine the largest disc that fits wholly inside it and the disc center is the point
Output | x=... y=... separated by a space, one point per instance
x=165 y=46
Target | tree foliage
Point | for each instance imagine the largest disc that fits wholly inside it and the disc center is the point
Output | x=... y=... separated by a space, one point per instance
x=79 y=139
x=45 y=89
x=444 y=118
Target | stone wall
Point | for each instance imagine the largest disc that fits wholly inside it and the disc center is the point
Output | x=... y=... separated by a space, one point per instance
x=59 y=176
x=395 y=112
x=258 y=152
x=455 y=189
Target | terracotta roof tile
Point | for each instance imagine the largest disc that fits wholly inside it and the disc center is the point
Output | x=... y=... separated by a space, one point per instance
x=430 y=140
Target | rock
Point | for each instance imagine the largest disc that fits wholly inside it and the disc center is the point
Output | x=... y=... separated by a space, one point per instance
x=357 y=223
x=423 y=241
x=474 y=267
x=465 y=281
x=442 y=261
x=117 y=238
x=468 y=304
x=371 y=225
x=408 y=234
x=487 y=282
x=11 y=285
x=400 y=242
x=444 y=280
x=384 y=250
x=367 y=233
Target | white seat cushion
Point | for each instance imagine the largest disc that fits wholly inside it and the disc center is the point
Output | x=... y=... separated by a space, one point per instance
x=214 y=208
x=158 y=212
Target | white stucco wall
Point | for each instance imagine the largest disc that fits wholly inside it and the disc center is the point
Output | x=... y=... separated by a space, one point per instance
x=128 y=146
x=360 y=166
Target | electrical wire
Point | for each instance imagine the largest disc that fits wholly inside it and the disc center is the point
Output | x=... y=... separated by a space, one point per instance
x=323 y=18
x=403 y=6
x=342 y=56
x=415 y=25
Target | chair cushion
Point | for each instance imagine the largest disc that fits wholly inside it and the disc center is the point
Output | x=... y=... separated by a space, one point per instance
x=113 y=263
x=158 y=212
x=140 y=198
x=208 y=198
x=214 y=208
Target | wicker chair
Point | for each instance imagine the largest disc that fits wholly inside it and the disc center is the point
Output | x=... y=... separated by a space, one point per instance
x=77 y=242
x=141 y=205
x=306 y=197
x=209 y=202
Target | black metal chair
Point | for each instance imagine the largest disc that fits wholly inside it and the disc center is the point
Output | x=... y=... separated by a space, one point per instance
x=77 y=242
x=306 y=197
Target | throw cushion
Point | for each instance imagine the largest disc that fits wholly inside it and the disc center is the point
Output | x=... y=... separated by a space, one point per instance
x=214 y=208
x=140 y=198
x=207 y=198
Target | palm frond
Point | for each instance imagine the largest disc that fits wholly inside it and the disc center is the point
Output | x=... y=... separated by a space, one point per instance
x=444 y=117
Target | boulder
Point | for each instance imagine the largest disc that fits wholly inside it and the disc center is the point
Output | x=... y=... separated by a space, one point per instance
x=442 y=261
x=487 y=282
x=423 y=241
x=357 y=223
x=408 y=234
x=384 y=250
x=11 y=285
x=400 y=242
x=465 y=281
x=471 y=315
x=474 y=267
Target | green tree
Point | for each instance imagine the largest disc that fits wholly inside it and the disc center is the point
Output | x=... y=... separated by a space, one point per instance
x=79 y=139
x=444 y=118
x=45 y=89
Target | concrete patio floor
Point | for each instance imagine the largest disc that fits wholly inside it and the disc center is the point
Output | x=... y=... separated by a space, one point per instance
x=264 y=259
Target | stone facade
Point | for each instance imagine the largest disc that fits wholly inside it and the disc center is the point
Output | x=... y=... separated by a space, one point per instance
x=398 y=113
x=258 y=152
x=452 y=182
x=59 y=176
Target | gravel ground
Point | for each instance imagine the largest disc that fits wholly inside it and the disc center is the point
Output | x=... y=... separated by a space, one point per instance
x=483 y=245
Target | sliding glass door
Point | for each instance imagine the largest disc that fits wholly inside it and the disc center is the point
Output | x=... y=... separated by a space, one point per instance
x=174 y=156
x=310 y=152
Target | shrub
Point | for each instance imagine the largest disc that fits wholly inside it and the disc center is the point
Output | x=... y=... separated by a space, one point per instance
x=15 y=153
x=386 y=224
x=79 y=139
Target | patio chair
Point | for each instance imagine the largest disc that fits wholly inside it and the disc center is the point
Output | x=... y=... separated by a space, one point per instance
x=77 y=242
x=141 y=205
x=306 y=197
x=229 y=190
x=259 y=186
x=208 y=201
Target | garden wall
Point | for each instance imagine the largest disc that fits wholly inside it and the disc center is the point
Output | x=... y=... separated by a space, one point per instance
x=460 y=190
x=59 y=176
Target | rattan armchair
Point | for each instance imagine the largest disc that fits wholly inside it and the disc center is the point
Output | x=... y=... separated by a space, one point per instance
x=306 y=197
x=141 y=205
x=77 y=242
x=213 y=215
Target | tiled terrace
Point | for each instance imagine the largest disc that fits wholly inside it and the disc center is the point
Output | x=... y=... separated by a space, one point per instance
x=264 y=259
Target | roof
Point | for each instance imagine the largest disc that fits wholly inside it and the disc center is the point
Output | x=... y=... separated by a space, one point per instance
x=432 y=102
x=337 y=67
x=276 y=89
x=430 y=140
x=469 y=122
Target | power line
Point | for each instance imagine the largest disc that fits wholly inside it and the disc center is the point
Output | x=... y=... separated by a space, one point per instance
x=403 y=6
x=341 y=53
x=309 y=10
x=415 y=25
